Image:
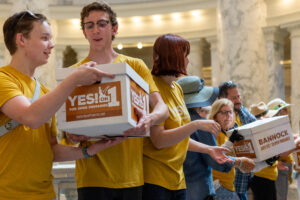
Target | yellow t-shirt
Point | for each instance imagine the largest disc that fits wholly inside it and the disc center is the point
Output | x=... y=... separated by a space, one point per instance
x=226 y=179
x=26 y=154
x=287 y=159
x=237 y=120
x=120 y=166
x=164 y=167
x=269 y=172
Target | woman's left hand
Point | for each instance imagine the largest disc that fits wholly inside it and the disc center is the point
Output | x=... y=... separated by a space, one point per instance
x=217 y=153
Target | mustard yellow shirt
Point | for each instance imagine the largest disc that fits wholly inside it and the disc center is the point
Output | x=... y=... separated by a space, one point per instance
x=164 y=167
x=269 y=172
x=226 y=179
x=25 y=154
x=237 y=120
x=120 y=166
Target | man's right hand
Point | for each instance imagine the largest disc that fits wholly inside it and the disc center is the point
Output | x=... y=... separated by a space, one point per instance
x=247 y=164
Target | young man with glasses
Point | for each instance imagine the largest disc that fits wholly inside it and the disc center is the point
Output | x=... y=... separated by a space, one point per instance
x=28 y=144
x=118 y=172
x=230 y=91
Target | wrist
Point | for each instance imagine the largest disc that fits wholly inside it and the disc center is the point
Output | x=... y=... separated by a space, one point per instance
x=197 y=124
x=237 y=162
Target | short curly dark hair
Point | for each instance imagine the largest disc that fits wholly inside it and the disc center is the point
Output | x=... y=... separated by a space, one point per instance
x=96 y=6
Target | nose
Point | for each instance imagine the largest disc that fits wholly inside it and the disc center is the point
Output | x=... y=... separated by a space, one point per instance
x=96 y=28
x=51 y=44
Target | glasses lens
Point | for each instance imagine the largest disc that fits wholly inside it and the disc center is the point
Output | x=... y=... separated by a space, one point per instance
x=102 y=23
x=89 y=25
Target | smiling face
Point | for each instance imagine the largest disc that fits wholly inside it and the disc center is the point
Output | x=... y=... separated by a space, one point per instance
x=37 y=46
x=99 y=35
x=225 y=117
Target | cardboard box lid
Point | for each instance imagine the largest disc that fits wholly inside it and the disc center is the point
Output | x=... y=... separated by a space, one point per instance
x=113 y=68
x=261 y=125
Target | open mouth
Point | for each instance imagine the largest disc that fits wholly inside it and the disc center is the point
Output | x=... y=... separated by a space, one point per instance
x=98 y=39
x=47 y=53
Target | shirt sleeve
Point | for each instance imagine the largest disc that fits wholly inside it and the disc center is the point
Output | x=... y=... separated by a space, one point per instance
x=144 y=72
x=53 y=127
x=8 y=88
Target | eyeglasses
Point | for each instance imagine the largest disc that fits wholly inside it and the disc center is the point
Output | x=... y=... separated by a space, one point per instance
x=26 y=14
x=102 y=23
x=226 y=112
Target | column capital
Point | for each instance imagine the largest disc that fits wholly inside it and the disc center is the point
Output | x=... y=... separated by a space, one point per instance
x=293 y=28
x=213 y=41
x=274 y=34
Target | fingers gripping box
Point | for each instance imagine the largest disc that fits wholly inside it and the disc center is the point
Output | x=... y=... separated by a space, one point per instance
x=106 y=108
x=265 y=138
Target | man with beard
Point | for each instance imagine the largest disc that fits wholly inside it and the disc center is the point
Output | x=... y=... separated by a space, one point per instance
x=230 y=91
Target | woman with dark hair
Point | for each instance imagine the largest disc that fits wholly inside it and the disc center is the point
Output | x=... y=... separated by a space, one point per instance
x=28 y=144
x=165 y=150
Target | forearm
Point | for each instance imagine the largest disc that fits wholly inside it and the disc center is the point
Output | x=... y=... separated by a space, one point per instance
x=165 y=138
x=66 y=153
x=46 y=106
x=198 y=147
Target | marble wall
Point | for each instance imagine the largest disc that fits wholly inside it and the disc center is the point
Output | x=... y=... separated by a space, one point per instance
x=242 y=47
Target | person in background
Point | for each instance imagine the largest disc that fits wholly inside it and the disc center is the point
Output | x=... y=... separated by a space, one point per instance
x=203 y=111
x=262 y=183
x=230 y=91
x=260 y=110
x=222 y=112
x=117 y=172
x=279 y=107
x=165 y=150
x=28 y=144
x=197 y=167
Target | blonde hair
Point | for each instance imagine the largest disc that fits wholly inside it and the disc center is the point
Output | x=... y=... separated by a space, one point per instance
x=217 y=105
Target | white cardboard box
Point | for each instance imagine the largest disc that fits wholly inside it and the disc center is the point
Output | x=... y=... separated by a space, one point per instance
x=105 y=109
x=265 y=138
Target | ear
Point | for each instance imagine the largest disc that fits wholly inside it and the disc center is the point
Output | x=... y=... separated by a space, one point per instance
x=20 y=39
x=115 y=30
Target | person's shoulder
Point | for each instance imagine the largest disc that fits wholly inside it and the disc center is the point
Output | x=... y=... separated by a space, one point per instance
x=85 y=60
x=5 y=69
x=133 y=62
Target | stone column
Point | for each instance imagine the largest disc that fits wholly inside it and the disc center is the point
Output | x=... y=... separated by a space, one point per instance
x=275 y=53
x=294 y=29
x=59 y=49
x=242 y=46
x=195 y=58
x=215 y=66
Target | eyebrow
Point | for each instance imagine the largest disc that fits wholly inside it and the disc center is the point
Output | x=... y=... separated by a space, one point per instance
x=96 y=21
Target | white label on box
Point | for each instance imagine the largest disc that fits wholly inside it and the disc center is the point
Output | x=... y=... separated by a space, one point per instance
x=244 y=148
